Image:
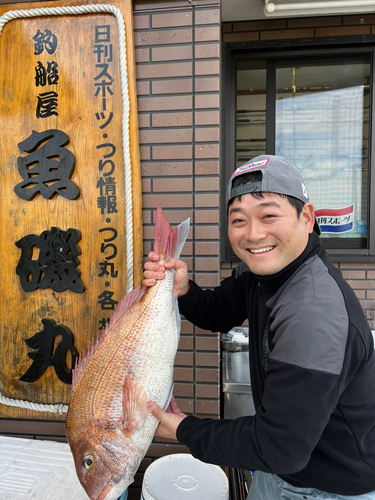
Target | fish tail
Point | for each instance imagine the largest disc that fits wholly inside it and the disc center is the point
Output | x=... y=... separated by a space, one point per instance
x=169 y=243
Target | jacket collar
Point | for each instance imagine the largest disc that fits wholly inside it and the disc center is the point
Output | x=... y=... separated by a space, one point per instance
x=274 y=281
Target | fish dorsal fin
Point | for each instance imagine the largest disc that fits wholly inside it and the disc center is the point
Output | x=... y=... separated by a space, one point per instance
x=82 y=362
x=126 y=303
x=167 y=242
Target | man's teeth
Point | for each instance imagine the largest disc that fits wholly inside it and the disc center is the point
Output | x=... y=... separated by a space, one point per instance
x=261 y=250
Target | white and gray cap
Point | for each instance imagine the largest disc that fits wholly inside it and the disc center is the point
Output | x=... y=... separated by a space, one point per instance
x=278 y=176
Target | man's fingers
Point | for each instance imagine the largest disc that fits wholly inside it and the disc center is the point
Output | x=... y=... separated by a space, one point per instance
x=153 y=256
x=149 y=282
x=171 y=263
x=153 y=272
x=154 y=409
x=173 y=405
x=154 y=267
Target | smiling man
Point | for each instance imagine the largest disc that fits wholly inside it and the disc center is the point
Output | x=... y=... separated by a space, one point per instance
x=312 y=362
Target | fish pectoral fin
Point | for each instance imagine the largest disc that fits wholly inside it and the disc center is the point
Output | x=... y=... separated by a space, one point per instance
x=134 y=404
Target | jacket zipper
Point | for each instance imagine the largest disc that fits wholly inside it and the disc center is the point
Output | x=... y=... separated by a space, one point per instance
x=260 y=286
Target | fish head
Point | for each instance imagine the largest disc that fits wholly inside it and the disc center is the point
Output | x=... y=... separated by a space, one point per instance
x=106 y=462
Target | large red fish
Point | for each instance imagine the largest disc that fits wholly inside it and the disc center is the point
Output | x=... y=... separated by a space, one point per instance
x=108 y=425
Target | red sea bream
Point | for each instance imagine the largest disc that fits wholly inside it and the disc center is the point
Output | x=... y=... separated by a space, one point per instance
x=108 y=425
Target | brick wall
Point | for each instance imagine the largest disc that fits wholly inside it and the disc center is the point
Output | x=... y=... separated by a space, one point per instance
x=178 y=75
x=361 y=276
x=178 y=69
x=309 y=27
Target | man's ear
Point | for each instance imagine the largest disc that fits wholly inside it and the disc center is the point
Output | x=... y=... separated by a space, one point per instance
x=308 y=217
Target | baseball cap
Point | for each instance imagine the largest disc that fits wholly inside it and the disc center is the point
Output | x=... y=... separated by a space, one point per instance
x=278 y=176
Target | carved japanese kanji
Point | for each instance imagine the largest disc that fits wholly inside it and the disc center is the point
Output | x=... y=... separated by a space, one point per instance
x=56 y=265
x=50 y=354
x=47 y=168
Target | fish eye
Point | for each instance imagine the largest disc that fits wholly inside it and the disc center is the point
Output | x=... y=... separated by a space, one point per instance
x=88 y=462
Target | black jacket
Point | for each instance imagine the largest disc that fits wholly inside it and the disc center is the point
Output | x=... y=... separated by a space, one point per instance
x=312 y=370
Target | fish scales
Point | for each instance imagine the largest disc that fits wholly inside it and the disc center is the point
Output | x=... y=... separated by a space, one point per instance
x=127 y=348
x=124 y=352
x=109 y=426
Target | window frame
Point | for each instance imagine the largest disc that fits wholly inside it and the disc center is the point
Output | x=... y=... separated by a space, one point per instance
x=252 y=51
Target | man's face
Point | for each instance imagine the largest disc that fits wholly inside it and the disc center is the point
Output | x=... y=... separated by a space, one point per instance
x=266 y=234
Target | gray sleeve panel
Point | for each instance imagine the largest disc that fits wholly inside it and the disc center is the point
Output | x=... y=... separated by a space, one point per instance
x=310 y=320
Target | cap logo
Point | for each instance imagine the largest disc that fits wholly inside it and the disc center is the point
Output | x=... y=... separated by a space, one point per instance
x=304 y=190
x=251 y=166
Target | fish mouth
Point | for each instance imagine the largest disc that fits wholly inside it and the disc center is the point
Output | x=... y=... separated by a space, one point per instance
x=105 y=492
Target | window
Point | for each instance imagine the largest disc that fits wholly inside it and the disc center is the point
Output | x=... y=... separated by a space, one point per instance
x=313 y=108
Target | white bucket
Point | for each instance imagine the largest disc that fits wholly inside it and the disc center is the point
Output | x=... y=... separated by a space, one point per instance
x=181 y=476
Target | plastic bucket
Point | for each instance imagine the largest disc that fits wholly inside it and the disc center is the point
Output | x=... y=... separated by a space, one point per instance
x=181 y=476
x=124 y=496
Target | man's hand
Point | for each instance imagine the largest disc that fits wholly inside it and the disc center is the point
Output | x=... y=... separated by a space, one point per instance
x=169 y=420
x=155 y=271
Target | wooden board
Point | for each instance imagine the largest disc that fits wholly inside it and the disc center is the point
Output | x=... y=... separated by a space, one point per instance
x=81 y=103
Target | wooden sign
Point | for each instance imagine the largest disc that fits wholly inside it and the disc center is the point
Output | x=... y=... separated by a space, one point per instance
x=70 y=196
